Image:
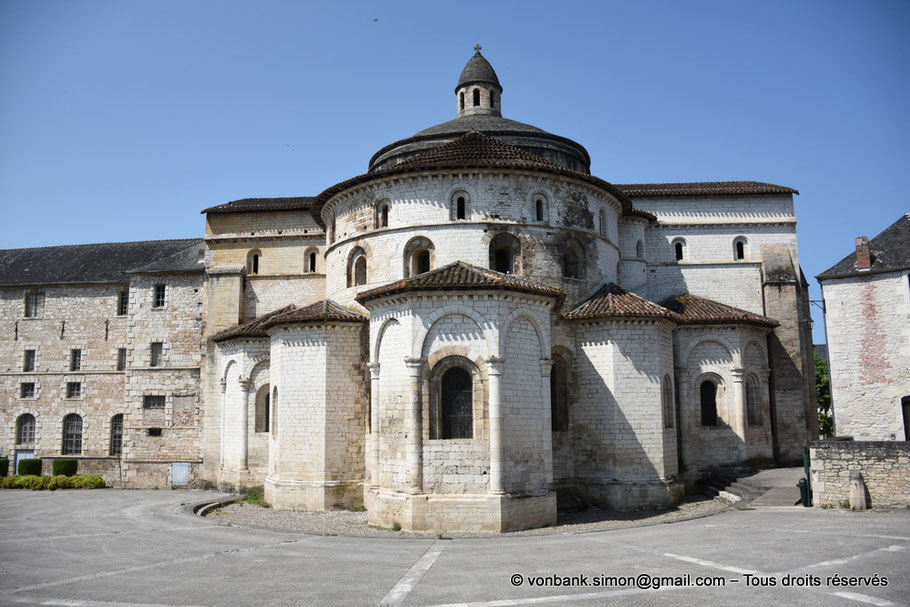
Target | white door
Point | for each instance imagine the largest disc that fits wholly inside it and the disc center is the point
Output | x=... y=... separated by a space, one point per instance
x=180 y=474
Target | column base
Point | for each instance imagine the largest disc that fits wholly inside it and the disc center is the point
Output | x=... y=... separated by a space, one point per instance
x=313 y=495
x=461 y=512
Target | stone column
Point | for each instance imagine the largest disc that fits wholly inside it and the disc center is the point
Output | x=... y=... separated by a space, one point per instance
x=244 y=422
x=373 y=462
x=546 y=366
x=223 y=418
x=495 y=367
x=738 y=418
x=683 y=416
x=414 y=425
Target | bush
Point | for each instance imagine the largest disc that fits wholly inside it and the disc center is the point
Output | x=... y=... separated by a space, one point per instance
x=29 y=467
x=52 y=483
x=4 y=466
x=65 y=467
x=88 y=481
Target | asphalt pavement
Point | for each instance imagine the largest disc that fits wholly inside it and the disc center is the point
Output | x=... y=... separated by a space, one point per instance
x=115 y=547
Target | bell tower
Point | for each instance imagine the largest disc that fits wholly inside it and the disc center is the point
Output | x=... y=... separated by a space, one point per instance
x=478 y=90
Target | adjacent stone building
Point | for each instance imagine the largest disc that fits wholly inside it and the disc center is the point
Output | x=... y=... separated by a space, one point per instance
x=867 y=322
x=471 y=328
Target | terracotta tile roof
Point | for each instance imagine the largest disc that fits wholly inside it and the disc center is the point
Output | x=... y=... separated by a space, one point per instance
x=321 y=311
x=472 y=150
x=612 y=301
x=460 y=276
x=325 y=310
x=890 y=253
x=699 y=310
x=98 y=263
x=701 y=188
x=251 y=328
x=263 y=204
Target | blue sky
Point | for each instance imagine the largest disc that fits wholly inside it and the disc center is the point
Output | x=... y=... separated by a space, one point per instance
x=122 y=120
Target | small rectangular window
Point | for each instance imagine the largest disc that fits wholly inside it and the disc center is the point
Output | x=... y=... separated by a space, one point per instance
x=75 y=359
x=74 y=389
x=28 y=361
x=153 y=402
x=155 y=357
x=154 y=431
x=121 y=359
x=33 y=303
x=123 y=303
x=159 y=296
x=27 y=390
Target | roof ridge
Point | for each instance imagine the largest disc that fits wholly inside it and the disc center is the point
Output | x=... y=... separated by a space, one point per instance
x=97 y=244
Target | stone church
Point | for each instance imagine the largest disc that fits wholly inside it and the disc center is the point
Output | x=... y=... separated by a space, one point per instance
x=450 y=340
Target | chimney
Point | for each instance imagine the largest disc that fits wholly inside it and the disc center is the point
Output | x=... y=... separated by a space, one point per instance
x=863 y=258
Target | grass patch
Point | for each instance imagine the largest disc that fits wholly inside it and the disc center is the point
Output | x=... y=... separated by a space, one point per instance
x=845 y=504
x=255 y=496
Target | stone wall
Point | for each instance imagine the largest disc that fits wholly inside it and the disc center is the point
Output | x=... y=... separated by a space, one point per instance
x=421 y=206
x=885 y=466
x=868 y=325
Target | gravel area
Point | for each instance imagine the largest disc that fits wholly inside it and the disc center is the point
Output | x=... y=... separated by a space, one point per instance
x=346 y=522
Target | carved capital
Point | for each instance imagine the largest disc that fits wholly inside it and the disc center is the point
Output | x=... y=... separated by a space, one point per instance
x=546 y=366
x=374 y=370
x=495 y=365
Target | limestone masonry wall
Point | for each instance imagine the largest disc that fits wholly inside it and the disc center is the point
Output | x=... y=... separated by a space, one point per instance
x=885 y=466
x=868 y=324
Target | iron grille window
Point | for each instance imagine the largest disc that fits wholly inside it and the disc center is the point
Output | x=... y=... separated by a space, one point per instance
x=158 y=301
x=75 y=360
x=73 y=389
x=153 y=402
x=156 y=349
x=72 y=434
x=121 y=359
x=25 y=431
x=457 y=404
x=27 y=390
x=117 y=434
x=33 y=303
x=123 y=303
x=154 y=431
x=28 y=361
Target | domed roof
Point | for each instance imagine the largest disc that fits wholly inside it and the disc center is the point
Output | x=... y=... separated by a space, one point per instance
x=472 y=150
x=482 y=111
x=478 y=69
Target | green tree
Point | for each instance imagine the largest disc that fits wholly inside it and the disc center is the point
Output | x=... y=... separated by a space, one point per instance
x=823 y=397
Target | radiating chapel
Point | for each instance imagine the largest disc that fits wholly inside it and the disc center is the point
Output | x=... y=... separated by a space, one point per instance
x=472 y=329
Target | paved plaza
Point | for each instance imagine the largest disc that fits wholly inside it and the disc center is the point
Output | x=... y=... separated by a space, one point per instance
x=115 y=547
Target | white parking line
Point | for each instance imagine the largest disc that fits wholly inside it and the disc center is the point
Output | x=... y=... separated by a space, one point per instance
x=409 y=580
x=863 y=598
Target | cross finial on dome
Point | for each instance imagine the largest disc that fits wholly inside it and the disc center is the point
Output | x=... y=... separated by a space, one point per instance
x=477 y=48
